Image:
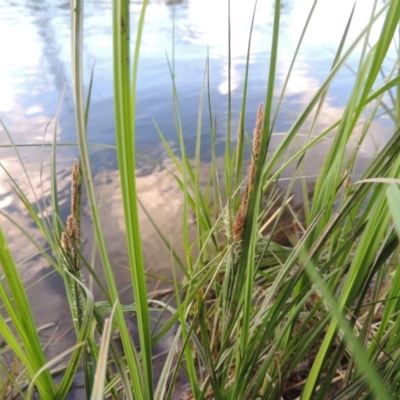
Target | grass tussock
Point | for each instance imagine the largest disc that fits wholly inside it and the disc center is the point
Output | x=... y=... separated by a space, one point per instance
x=314 y=315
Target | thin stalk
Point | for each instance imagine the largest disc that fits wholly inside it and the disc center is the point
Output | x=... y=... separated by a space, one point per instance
x=80 y=113
x=125 y=105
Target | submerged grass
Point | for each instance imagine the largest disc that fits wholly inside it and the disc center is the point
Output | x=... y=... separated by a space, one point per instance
x=316 y=318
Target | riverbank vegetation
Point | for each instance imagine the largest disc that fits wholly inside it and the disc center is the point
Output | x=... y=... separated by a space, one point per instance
x=315 y=316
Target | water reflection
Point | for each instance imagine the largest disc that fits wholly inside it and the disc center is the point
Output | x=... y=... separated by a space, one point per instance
x=32 y=78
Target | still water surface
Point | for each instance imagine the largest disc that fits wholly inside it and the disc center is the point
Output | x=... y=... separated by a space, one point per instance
x=35 y=77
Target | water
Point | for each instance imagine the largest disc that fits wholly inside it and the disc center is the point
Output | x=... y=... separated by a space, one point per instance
x=35 y=77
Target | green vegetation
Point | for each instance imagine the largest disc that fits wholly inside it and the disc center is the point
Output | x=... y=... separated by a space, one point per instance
x=315 y=319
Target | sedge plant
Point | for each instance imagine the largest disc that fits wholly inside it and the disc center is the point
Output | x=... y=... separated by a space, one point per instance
x=315 y=317
x=259 y=309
